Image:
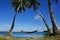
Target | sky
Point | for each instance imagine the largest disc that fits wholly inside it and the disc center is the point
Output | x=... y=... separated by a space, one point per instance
x=28 y=20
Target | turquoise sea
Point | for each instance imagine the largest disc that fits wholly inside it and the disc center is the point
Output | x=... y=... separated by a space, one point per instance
x=24 y=35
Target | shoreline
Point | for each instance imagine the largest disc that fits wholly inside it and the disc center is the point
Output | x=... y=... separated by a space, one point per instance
x=45 y=38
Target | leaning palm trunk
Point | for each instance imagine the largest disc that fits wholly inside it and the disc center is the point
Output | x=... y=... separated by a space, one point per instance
x=55 y=29
x=10 y=31
x=47 y=26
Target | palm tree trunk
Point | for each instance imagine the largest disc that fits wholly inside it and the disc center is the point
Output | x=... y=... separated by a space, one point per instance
x=47 y=26
x=11 y=29
x=55 y=29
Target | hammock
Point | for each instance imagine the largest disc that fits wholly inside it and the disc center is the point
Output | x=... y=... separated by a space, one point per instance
x=29 y=32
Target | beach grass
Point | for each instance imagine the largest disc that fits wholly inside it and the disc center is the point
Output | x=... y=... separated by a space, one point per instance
x=45 y=38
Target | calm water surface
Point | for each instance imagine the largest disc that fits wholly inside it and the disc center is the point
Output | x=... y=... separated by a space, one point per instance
x=25 y=35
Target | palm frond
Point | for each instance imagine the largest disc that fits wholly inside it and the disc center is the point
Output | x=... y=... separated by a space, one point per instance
x=14 y=2
x=35 y=4
x=23 y=8
x=15 y=8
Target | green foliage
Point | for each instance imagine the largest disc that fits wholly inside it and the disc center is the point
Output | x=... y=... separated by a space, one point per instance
x=35 y=4
x=21 y=5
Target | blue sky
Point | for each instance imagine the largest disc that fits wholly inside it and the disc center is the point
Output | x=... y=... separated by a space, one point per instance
x=28 y=20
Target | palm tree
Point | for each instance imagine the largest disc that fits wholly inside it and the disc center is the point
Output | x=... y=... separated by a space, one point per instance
x=19 y=6
x=35 y=5
x=55 y=29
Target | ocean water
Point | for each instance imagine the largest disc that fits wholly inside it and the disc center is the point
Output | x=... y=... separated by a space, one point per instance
x=25 y=35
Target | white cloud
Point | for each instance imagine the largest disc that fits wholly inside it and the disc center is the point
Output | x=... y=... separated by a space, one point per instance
x=7 y=27
x=41 y=28
x=37 y=17
x=4 y=27
x=19 y=28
